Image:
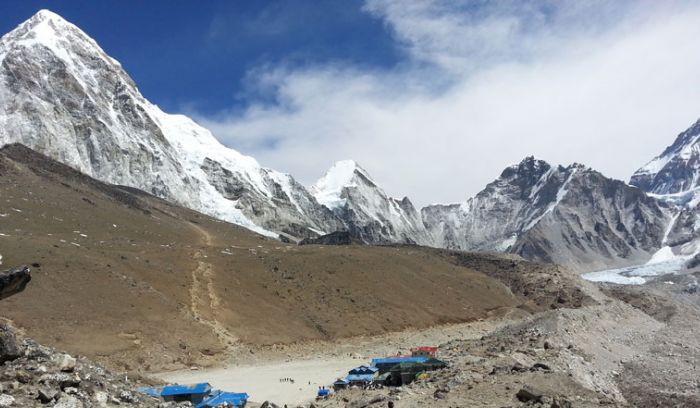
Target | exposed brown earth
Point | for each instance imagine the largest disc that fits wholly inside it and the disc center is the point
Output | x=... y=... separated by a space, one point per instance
x=140 y=284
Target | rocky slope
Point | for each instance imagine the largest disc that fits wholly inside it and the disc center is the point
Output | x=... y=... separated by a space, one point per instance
x=636 y=348
x=366 y=210
x=35 y=375
x=570 y=215
x=113 y=263
x=65 y=97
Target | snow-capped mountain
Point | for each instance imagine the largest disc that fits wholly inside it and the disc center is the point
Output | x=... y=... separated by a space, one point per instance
x=366 y=210
x=519 y=198
x=571 y=215
x=62 y=95
x=676 y=169
x=674 y=177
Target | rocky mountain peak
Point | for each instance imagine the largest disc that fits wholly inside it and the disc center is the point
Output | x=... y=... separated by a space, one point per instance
x=343 y=174
x=528 y=166
x=49 y=30
x=45 y=16
x=368 y=213
x=676 y=169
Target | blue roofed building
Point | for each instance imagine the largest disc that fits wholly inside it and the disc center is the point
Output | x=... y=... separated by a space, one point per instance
x=361 y=375
x=383 y=365
x=194 y=393
x=216 y=398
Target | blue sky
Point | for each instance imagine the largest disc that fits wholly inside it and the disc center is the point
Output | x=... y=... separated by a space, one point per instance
x=197 y=53
x=432 y=97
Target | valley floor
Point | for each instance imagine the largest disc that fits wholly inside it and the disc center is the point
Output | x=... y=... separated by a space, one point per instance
x=316 y=364
x=637 y=347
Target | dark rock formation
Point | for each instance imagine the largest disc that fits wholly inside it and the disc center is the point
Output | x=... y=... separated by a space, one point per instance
x=14 y=281
x=334 y=238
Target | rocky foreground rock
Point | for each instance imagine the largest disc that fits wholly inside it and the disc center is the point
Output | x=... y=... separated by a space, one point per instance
x=14 y=281
x=34 y=375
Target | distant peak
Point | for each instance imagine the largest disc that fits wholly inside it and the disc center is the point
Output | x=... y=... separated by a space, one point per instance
x=342 y=173
x=347 y=164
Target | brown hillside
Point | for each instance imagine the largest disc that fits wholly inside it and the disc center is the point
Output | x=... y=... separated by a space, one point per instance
x=139 y=283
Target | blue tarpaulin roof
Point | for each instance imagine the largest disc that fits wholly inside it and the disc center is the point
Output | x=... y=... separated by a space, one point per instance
x=396 y=360
x=360 y=377
x=168 y=390
x=324 y=392
x=363 y=370
x=237 y=399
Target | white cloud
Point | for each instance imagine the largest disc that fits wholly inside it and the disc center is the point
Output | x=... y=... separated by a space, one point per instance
x=607 y=84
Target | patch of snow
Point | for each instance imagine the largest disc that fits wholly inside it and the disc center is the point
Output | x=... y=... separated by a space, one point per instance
x=505 y=245
x=613 y=277
x=639 y=274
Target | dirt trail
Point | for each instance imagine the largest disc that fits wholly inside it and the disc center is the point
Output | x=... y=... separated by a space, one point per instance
x=204 y=300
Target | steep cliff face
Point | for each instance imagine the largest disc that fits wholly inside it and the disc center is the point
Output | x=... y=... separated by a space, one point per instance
x=368 y=213
x=599 y=223
x=62 y=95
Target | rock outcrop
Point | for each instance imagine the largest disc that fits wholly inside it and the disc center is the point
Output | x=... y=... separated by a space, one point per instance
x=14 y=281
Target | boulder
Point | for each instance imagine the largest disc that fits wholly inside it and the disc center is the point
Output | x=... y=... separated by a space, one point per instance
x=527 y=394
x=10 y=348
x=68 y=401
x=66 y=363
x=6 y=400
x=46 y=395
x=362 y=403
x=14 y=281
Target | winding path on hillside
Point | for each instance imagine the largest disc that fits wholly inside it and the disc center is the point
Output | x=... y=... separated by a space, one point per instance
x=204 y=301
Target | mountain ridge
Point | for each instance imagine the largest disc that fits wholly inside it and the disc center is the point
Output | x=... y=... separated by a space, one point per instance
x=63 y=96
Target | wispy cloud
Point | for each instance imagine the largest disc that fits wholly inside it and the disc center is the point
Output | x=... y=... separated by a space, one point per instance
x=483 y=84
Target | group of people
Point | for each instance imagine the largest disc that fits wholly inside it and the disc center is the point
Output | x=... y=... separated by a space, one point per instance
x=289 y=380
